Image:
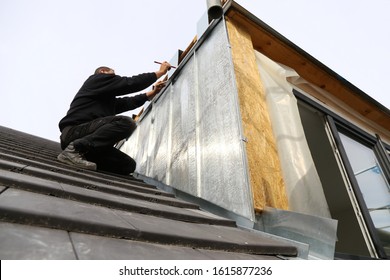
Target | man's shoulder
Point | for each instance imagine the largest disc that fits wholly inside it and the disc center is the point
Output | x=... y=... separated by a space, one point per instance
x=102 y=76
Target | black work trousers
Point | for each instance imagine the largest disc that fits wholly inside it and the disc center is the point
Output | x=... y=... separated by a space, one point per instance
x=96 y=141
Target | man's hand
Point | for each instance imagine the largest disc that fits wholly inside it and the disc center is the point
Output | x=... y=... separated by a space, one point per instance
x=164 y=68
x=156 y=89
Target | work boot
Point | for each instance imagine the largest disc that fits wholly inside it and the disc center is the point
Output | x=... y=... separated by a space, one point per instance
x=75 y=158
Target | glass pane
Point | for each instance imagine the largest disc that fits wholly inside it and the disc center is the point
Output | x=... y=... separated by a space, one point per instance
x=373 y=185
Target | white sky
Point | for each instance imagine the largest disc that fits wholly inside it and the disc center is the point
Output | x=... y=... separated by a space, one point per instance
x=48 y=48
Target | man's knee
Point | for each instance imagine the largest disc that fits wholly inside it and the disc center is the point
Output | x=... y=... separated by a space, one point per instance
x=127 y=124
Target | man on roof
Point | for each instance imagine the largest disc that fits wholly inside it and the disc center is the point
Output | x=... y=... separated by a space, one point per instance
x=92 y=127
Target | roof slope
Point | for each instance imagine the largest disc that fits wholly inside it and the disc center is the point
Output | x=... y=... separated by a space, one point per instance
x=49 y=210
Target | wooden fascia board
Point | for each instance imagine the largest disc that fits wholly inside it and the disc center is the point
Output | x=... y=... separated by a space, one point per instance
x=279 y=49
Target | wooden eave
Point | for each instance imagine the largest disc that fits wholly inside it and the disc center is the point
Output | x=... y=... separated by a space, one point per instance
x=278 y=48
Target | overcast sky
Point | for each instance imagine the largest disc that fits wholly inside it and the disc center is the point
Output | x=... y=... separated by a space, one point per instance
x=48 y=48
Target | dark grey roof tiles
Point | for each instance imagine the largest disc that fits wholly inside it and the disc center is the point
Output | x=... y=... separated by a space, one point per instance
x=49 y=210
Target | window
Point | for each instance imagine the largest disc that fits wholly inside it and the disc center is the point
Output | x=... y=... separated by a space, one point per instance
x=354 y=169
x=373 y=185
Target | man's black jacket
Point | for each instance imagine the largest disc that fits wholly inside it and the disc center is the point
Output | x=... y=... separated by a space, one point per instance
x=98 y=97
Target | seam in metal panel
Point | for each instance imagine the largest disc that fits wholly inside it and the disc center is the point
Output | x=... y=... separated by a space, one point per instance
x=197 y=132
x=170 y=125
